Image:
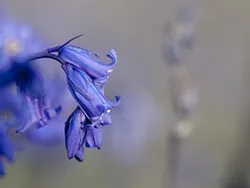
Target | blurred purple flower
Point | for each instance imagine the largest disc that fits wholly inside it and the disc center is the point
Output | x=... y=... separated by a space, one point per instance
x=9 y=102
x=140 y=121
x=18 y=41
x=53 y=133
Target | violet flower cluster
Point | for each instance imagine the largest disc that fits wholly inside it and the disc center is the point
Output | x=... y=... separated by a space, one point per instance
x=30 y=106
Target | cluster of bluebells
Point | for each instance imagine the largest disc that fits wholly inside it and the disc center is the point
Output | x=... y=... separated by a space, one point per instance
x=30 y=105
x=86 y=79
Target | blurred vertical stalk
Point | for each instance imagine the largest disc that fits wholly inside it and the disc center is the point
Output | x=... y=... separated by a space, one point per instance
x=173 y=149
x=183 y=92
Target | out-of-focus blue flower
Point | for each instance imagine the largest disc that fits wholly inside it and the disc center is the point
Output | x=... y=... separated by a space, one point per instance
x=133 y=132
x=6 y=150
x=90 y=99
x=11 y=103
x=38 y=109
x=53 y=133
x=89 y=62
x=16 y=40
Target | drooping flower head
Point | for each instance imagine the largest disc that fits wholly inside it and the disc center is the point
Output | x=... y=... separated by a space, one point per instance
x=82 y=128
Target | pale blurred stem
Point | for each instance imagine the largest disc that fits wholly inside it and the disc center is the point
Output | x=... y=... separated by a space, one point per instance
x=174 y=146
x=237 y=173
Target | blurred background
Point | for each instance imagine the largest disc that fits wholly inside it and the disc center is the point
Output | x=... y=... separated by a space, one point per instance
x=135 y=152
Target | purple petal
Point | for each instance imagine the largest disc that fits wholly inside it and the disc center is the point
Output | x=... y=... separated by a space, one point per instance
x=94 y=138
x=98 y=104
x=79 y=156
x=82 y=59
x=73 y=132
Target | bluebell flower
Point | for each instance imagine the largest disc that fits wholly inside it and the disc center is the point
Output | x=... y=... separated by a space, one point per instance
x=89 y=62
x=6 y=150
x=18 y=41
x=75 y=132
x=90 y=99
x=128 y=140
x=79 y=133
x=53 y=133
x=83 y=126
x=37 y=108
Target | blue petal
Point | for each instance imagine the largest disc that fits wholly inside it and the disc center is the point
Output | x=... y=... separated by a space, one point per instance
x=73 y=132
x=79 y=156
x=82 y=59
x=91 y=107
x=94 y=138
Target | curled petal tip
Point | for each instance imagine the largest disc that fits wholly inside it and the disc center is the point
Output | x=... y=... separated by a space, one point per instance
x=113 y=56
x=112 y=53
x=79 y=159
x=118 y=100
x=22 y=130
